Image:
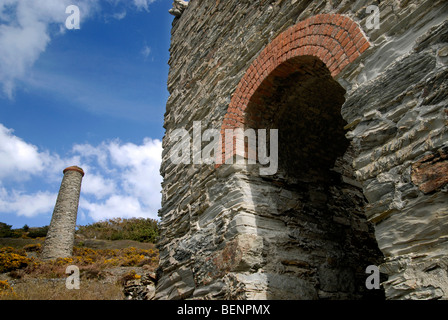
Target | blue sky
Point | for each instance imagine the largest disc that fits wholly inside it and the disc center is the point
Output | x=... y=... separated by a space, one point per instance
x=93 y=97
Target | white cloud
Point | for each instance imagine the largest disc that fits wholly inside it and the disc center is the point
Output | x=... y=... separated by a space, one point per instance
x=140 y=170
x=133 y=170
x=28 y=205
x=119 y=15
x=143 y=4
x=98 y=185
x=17 y=155
x=93 y=154
x=121 y=180
x=27 y=27
x=22 y=161
x=115 y=206
x=146 y=51
x=25 y=33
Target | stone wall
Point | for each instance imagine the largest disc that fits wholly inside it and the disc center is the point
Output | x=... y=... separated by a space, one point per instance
x=61 y=233
x=362 y=172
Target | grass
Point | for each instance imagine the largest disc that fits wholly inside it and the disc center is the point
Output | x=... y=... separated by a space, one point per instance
x=46 y=289
x=107 y=254
x=102 y=269
x=18 y=242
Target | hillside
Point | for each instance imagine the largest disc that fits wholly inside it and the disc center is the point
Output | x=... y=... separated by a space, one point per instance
x=109 y=269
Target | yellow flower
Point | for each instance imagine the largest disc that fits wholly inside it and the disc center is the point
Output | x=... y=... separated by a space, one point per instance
x=6 y=289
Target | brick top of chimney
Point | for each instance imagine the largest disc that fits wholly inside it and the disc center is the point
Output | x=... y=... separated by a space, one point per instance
x=74 y=168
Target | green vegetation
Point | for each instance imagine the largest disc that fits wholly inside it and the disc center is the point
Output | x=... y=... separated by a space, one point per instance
x=26 y=232
x=137 y=229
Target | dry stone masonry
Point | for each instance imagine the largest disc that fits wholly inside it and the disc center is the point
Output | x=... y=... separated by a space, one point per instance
x=361 y=108
x=61 y=234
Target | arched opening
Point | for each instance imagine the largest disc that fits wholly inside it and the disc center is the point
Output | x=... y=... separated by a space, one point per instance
x=316 y=241
x=305 y=106
x=325 y=243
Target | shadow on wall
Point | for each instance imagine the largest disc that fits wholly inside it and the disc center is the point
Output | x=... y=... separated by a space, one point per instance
x=303 y=233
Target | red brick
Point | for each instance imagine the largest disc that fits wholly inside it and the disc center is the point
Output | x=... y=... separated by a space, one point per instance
x=308 y=50
x=306 y=23
x=327 y=18
x=357 y=36
x=343 y=64
x=342 y=36
x=353 y=57
x=299 y=26
x=335 y=72
x=339 y=34
x=335 y=46
x=329 y=30
x=291 y=34
x=297 y=35
x=338 y=54
x=294 y=52
x=317 y=36
x=274 y=42
x=353 y=28
x=348 y=22
x=313 y=20
x=333 y=19
x=351 y=49
x=364 y=47
x=318 y=19
x=332 y=67
x=334 y=32
x=327 y=42
x=322 y=29
x=315 y=49
x=345 y=42
x=332 y=61
x=320 y=51
x=315 y=29
x=327 y=57
x=340 y=19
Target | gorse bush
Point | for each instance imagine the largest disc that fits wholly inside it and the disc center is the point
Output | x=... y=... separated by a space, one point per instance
x=5 y=289
x=137 y=229
x=12 y=259
x=104 y=258
x=90 y=261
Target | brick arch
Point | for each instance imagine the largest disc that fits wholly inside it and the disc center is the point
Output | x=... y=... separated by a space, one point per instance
x=335 y=39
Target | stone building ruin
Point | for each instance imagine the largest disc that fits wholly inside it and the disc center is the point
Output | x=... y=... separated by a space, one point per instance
x=360 y=102
x=61 y=233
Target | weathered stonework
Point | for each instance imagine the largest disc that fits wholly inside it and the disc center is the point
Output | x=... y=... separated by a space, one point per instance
x=431 y=172
x=61 y=234
x=362 y=179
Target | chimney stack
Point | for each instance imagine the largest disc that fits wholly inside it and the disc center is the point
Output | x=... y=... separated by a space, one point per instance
x=61 y=234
